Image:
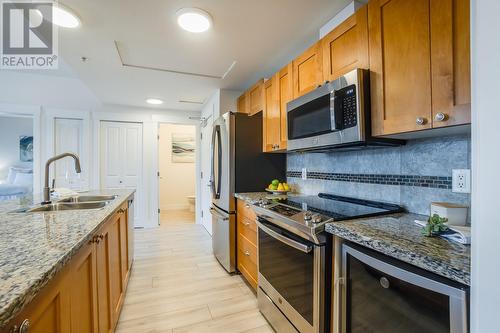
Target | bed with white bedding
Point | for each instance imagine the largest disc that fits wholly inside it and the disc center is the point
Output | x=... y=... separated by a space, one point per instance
x=19 y=182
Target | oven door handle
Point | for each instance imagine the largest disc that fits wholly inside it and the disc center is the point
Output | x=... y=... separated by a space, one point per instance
x=290 y=242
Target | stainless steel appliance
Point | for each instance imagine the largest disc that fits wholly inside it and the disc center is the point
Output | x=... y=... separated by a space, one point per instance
x=294 y=257
x=335 y=115
x=238 y=165
x=381 y=294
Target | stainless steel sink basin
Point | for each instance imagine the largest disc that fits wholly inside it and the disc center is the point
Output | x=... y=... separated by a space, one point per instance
x=60 y=206
x=89 y=198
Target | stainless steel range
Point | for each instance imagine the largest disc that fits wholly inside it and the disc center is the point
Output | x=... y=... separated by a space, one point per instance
x=294 y=257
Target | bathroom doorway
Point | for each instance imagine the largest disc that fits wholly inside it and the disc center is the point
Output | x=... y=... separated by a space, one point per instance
x=176 y=173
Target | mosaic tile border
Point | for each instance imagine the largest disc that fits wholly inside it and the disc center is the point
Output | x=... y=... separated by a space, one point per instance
x=403 y=180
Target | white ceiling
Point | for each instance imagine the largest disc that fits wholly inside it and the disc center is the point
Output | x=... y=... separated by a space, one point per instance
x=260 y=35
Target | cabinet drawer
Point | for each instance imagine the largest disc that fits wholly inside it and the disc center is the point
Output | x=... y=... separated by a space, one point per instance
x=247 y=260
x=244 y=209
x=248 y=229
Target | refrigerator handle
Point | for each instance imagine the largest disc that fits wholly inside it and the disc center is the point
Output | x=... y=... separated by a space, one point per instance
x=215 y=181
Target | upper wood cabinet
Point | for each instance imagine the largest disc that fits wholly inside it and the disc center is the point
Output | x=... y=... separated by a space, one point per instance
x=346 y=47
x=307 y=70
x=242 y=103
x=271 y=116
x=419 y=63
x=285 y=95
x=256 y=98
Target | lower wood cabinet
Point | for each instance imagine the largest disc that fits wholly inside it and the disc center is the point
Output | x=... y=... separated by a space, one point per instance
x=247 y=247
x=86 y=296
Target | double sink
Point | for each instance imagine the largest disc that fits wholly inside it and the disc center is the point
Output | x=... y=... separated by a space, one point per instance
x=71 y=203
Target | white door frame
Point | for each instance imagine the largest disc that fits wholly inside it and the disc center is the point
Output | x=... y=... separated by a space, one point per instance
x=35 y=112
x=163 y=119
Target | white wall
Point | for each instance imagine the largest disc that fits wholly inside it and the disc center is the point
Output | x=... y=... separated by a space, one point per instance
x=11 y=128
x=485 y=47
x=177 y=180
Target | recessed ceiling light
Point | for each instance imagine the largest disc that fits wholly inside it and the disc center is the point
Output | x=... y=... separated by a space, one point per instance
x=154 y=101
x=194 y=19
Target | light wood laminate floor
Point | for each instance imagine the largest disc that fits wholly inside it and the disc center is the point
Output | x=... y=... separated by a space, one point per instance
x=177 y=286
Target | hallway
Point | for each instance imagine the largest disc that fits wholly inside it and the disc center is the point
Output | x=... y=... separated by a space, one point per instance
x=178 y=286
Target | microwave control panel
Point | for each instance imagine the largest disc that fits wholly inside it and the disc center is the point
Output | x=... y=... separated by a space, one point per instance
x=345 y=100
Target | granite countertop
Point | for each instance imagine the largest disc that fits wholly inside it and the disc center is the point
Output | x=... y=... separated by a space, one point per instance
x=254 y=197
x=35 y=246
x=399 y=237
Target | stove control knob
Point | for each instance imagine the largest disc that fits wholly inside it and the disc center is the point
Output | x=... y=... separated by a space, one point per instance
x=316 y=219
x=307 y=217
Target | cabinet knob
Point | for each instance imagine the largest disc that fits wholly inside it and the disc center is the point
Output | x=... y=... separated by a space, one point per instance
x=25 y=326
x=246 y=224
x=421 y=121
x=441 y=116
x=247 y=253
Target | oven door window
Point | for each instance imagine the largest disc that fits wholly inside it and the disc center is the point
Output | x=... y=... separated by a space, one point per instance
x=310 y=119
x=288 y=270
x=378 y=302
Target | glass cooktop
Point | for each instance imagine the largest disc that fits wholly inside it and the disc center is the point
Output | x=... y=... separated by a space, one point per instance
x=334 y=206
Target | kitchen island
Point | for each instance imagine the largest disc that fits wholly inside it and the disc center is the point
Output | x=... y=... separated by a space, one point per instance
x=37 y=251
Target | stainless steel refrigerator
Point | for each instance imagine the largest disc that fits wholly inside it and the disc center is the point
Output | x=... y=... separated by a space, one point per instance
x=238 y=165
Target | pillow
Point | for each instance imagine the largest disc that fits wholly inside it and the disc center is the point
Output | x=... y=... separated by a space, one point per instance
x=13 y=171
x=23 y=179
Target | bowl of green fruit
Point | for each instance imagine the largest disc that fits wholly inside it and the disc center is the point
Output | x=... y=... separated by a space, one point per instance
x=277 y=187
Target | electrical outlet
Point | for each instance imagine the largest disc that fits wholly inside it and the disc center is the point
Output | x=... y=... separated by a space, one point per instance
x=304 y=173
x=461 y=181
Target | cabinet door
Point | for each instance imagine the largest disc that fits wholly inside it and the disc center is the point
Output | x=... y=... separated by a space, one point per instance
x=400 y=64
x=103 y=282
x=256 y=98
x=285 y=84
x=346 y=47
x=124 y=236
x=242 y=103
x=115 y=266
x=307 y=70
x=271 y=116
x=84 y=317
x=50 y=310
x=450 y=62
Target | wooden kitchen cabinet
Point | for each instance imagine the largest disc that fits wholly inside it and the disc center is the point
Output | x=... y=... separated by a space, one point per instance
x=255 y=98
x=49 y=311
x=84 y=314
x=242 y=103
x=247 y=247
x=346 y=47
x=271 y=116
x=278 y=92
x=419 y=64
x=307 y=70
x=285 y=95
x=87 y=295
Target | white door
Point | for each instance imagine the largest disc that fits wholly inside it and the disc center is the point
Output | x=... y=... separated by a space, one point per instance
x=206 y=195
x=68 y=137
x=121 y=159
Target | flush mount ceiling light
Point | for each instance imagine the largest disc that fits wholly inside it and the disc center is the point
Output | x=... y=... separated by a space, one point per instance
x=194 y=19
x=154 y=101
x=64 y=17
x=61 y=16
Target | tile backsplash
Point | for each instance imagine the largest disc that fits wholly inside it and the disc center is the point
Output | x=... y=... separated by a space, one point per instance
x=413 y=175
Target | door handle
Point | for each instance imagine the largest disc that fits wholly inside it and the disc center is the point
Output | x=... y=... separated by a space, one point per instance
x=285 y=240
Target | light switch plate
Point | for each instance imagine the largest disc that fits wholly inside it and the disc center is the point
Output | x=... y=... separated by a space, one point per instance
x=461 y=180
x=304 y=173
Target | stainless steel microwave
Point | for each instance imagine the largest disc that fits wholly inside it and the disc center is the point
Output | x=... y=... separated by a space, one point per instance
x=334 y=115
